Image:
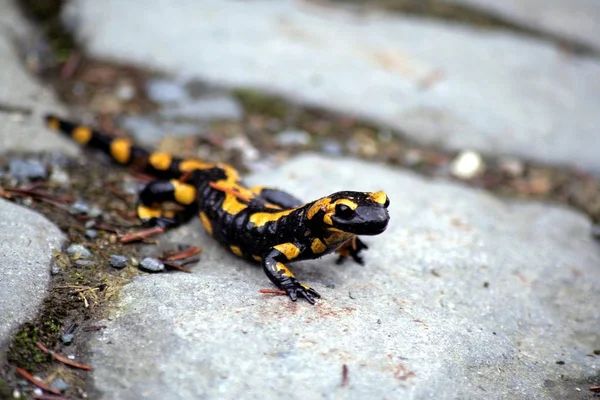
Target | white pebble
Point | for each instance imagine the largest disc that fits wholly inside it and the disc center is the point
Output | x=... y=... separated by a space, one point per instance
x=467 y=165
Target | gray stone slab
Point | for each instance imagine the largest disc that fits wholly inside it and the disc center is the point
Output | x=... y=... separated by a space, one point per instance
x=464 y=296
x=26 y=238
x=577 y=20
x=27 y=241
x=440 y=83
x=23 y=100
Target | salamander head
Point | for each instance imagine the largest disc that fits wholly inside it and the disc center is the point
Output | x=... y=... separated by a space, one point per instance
x=360 y=213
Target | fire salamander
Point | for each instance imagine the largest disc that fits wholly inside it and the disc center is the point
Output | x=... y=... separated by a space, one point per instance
x=264 y=225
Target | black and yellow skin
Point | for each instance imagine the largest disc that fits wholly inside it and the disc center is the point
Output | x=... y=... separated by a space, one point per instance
x=260 y=224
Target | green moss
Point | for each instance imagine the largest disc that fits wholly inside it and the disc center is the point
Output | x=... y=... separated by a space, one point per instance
x=47 y=14
x=260 y=103
x=23 y=352
x=5 y=391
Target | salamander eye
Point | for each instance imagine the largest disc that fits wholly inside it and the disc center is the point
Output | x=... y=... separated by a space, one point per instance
x=387 y=202
x=343 y=211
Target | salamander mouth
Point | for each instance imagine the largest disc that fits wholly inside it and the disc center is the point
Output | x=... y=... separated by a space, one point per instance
x=374 y=223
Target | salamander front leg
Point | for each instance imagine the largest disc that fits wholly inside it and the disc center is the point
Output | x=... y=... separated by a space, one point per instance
x=284 y=279
x=351 y=248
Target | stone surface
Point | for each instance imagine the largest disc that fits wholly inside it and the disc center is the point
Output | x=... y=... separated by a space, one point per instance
x=23 y=100
x=577 y=20
x=27 y=240
x=464 y=296
x=440 y=83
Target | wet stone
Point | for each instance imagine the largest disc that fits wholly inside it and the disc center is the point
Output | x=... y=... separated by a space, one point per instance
x=84 y=263
x=67 y=338
x=331 y=147
x=292 y=137
x=152 y=265
x=79 y=207
x=91 y=233
x=118 y=261
x=60 y=385
x=166 y=91
x=24 y=170
x=78 y=251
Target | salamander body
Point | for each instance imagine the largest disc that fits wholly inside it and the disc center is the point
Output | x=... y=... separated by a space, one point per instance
x=261 y=224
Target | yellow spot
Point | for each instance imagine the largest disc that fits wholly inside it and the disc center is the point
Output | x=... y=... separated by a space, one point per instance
x=53 y=123
x=169 y=213
x=284 y=270
x=236 y=250
x=347 y=202
x=120 y=149
x=273 y=206
x=379 y=197
x=317 y=246
x=290 y=250
x=232 y=205
x=144 y=212
x=188 y=165
x=184 y=193
x=257 y=258
x=327 y=218
x=230 y=172
x=82 y=134
x=160 y=161
x=319 y=205
x=206 y=222
x=261 y=218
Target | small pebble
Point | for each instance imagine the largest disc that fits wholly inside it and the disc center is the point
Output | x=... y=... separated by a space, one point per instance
x=467 y=165
x=292 y=137
x=90 y=224
x=60 y=385
x=84 y=263
x=37 y=391
x=118 y=261
x=78 y=251
x=135 y=262
x=59 y=176
x=26 y=169
x=79 y=207
x=331 y=147
x=512 y=167
x=55 y=270
x=16 y=394
x=166 y=91
x=412 y=157
x=91 y=233
x=112 y=239
x=67 y=338
x=95 y=212
x=125 y=91
x=152 y=265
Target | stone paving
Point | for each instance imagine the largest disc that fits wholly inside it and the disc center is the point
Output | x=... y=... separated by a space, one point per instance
x=465 y=296
x=441 y=84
